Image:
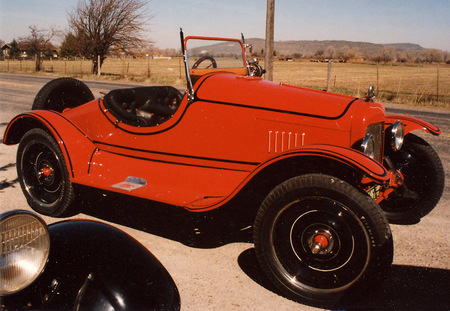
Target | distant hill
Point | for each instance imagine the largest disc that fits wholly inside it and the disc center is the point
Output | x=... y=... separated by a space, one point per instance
x=308 y=47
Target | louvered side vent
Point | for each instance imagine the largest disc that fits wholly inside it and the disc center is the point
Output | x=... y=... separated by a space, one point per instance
x=280 y=141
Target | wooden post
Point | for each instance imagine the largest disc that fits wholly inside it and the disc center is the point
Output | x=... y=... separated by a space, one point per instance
x=270 y=21
x=378 y=87
x=98 y=67
x=329 y=75
x=437 y=84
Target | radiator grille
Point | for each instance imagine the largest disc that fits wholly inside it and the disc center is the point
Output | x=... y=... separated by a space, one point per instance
x=377 y=131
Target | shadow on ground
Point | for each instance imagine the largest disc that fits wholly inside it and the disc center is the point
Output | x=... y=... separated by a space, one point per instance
x=407 y=288
x=5 y=183
x=200 y=230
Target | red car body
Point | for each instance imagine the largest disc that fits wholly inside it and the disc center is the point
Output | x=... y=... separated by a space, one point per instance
x=212 y=147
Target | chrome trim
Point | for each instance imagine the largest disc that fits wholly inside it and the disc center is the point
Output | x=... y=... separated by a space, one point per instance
x=397 y=135
x=368 y=146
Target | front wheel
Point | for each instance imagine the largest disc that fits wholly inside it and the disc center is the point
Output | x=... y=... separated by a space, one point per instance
x=43 y=174
x=316 y=237
x=423 y=182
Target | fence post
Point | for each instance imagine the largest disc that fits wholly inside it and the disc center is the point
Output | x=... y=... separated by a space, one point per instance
x=329 y=75
x=377 y=82
x=437 y=84
x=98 y=67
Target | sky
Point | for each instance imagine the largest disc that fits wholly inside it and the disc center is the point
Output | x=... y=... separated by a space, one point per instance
x=423 y=22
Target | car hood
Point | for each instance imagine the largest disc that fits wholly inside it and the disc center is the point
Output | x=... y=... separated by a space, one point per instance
x=256 y=92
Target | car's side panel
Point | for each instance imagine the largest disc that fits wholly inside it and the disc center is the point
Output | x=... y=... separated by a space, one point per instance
x=172 y=182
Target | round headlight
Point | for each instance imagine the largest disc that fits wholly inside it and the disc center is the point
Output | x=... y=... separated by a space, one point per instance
x=368 y=146
x=397 y=135
x=25 y=246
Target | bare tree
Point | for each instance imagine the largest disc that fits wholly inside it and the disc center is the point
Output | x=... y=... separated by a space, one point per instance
x=385 y=55
x=102 y=24
x=330 y=52
x=38 y=43
x=434 y=55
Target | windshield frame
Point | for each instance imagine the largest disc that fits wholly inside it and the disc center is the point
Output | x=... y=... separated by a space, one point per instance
x=192 y=75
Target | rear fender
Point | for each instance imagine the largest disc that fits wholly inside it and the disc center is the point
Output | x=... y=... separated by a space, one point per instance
x=412 y=124
x=76 y=147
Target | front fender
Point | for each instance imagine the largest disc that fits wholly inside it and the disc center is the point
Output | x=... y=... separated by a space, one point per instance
x=76 y=147
x=94 y=266
x=353 y=158
x=372 y=170
x=412 y=124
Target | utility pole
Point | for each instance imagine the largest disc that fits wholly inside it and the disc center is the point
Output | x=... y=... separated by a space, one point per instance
x=269 y=40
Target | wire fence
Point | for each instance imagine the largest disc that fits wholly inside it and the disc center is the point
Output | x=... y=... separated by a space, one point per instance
x=423 y=84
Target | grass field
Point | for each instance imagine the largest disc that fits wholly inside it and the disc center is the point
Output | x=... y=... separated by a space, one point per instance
x=416 y=84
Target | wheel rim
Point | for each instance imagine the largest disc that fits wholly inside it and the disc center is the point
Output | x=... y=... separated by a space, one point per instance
x=42 y=176
x=319 y=244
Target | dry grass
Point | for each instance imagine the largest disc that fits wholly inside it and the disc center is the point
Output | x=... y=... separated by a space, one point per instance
x=411 y=84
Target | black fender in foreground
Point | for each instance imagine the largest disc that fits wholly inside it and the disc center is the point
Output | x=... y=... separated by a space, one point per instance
x=94 y=266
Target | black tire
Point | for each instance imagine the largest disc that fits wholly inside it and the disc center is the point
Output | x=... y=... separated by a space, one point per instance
x=296 y=215
x=62 y=93
x=424 y=179
x=43 y=174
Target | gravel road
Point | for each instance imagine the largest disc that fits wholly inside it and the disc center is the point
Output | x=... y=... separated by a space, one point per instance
x=214 y=265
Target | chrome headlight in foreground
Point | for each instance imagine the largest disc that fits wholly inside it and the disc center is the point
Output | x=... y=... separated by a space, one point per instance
x=396 y=134
x=25 y=246
x=368 y=146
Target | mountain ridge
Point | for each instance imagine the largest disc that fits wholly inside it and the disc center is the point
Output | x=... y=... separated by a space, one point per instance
x=311 y=47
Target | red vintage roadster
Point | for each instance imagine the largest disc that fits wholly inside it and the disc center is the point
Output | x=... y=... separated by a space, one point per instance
x=326 y=172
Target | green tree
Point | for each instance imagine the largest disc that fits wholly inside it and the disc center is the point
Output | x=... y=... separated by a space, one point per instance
x=70 y=46
x=14 y=53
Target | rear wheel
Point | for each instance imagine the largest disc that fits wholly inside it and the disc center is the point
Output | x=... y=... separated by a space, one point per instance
x=62 y=93
x=43 y=174
x=423 y=180
x=316 y=237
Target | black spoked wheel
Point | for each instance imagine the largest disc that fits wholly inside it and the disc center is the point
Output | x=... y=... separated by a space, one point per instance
x=43 y=174
x=423 y=178
x=62 y=93
x=204 y=62
x=316 y=236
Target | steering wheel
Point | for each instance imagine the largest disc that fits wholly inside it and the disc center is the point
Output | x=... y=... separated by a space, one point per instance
x=202 y=59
